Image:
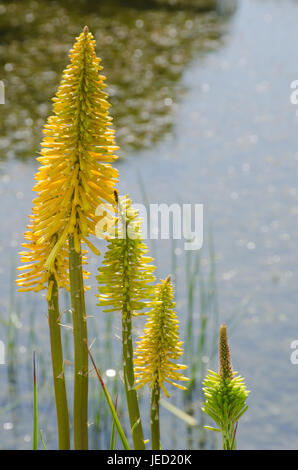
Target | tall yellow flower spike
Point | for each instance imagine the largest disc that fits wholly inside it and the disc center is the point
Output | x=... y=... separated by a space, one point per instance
x=160 y=345
x=74 y=179
x=76 y=174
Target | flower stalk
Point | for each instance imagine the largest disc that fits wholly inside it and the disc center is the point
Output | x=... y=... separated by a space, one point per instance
x=129 y=381
x=154 y=417
x=58 y=367
x=80 y=400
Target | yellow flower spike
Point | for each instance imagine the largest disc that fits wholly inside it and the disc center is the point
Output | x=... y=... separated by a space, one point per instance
x=125 y=280
x=160 y=344
x=74 y=178
x=126 y=272
x=157 y=349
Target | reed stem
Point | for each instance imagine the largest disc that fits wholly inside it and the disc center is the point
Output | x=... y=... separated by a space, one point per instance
x=154 y=417
x=35 y=418
x=80 y=405
x=58 y=368
x=129 y=381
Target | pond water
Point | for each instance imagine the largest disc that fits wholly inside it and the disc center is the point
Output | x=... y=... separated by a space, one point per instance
x=202 y=104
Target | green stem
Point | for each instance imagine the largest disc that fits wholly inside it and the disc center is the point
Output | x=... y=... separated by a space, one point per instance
x=127 y=352
x=58 y=368
x=80 y=405
x=35 y=417
x=154 y=417
x=228 y=437
x=131 y=394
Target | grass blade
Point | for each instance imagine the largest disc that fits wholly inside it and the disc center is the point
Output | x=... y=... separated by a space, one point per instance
x=189 y=420
x=35 y=422
x=114 y=431
x=110 y=403
x=42 y=440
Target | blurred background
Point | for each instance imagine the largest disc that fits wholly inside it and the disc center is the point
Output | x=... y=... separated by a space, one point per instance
x=200 y=94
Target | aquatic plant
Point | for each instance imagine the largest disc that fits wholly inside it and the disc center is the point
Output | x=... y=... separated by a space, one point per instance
x=125 y=280
x=75 y=196
x=157 y=349
x=75 y=177
x=225 y=394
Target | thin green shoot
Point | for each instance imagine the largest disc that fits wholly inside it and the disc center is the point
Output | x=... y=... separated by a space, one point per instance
x=35 y=420
x=114 y=434
x=42 y=440
x=188 y=419
x=110 y=403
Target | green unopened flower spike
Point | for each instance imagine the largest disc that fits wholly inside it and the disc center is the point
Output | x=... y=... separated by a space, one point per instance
x=225 y=394
x=125 y=280
x=156 y=351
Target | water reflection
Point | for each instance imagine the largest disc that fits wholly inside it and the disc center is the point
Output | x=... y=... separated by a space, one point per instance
x=145 y=51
